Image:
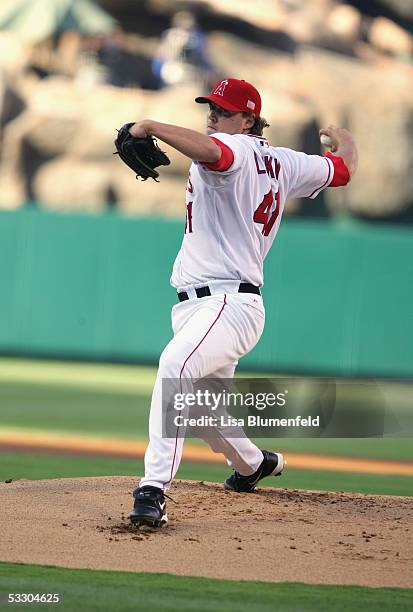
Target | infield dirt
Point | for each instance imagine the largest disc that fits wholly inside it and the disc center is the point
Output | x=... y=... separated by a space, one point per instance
x=272 y=535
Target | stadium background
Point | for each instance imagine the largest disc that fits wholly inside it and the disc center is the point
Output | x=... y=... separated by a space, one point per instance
x=86 y=251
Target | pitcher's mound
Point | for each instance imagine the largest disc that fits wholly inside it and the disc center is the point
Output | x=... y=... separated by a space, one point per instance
x=273 y=534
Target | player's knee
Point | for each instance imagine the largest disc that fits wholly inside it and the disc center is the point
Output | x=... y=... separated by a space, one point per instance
x=169 y=364
x=174 y=364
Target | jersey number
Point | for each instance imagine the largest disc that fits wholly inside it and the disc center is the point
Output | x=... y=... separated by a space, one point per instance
x=263 y=214
x=188 y=221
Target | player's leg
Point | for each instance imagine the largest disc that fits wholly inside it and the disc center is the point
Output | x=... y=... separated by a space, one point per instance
x=209 y=334
x=191 y=354
x=250 y=464
x=163 y=453
x=230 y=440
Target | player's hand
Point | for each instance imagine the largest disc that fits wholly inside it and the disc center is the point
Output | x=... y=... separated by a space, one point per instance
x=140 y=129
x=141 y=153
x=339 y=136
x=343 y=145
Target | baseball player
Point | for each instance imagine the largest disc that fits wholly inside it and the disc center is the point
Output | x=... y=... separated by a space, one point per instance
x=237 y=188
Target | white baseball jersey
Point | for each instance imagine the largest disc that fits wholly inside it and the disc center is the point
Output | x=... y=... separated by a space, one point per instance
x=233 y=213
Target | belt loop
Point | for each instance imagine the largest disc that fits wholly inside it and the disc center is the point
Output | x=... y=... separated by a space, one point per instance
x=202 y=292
x=248 y=288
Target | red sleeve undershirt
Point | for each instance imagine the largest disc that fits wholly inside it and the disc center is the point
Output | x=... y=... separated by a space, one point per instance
x=341 y=174
x=225 y=161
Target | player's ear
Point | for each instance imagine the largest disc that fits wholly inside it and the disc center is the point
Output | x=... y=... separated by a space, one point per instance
x=249 y=121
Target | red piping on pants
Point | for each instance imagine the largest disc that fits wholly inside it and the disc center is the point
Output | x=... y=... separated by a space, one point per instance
x=180 y=379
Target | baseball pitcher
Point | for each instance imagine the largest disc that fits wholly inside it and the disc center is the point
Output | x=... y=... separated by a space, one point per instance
x=237 y=188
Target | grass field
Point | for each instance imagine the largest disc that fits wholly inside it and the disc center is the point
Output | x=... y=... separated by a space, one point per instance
x=38 y=466
x=40 y=406
x=98 y=590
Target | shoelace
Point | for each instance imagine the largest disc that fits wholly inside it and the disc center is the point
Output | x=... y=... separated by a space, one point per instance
x=149 y=494
x=169 y=497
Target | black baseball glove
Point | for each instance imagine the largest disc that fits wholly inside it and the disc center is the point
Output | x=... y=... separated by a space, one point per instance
x=141 y=154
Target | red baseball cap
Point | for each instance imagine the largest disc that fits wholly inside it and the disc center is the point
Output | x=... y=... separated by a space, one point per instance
x=234 y=95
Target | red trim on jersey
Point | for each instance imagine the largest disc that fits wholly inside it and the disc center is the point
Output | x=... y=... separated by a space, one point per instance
x=225 y=161
x=259 y=137
x=325 y=183
x=180 y=379
x=341 y=173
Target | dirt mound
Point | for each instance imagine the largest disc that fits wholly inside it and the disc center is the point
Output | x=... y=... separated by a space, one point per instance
x=272 y=535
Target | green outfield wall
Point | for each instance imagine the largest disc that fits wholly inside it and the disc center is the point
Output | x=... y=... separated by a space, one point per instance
x=339 y=297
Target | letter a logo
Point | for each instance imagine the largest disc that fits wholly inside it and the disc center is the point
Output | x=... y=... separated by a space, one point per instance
x=221 y=88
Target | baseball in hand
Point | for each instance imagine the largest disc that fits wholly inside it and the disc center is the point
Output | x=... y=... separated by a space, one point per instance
x=326 y=140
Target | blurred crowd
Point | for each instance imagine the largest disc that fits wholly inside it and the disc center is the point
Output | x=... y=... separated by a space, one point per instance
x=179 y=53
x=122 y=61
x=165 y=45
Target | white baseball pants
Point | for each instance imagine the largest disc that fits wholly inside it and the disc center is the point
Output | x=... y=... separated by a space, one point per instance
x=210 y=335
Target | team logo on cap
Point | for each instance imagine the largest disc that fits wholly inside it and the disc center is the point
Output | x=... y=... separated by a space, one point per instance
x=250 y=104
x=221 y=88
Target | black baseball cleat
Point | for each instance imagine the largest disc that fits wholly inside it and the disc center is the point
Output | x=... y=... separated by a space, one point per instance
x=272 y=465
x=149 y=507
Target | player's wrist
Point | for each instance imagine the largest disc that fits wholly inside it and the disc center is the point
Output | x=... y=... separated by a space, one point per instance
x=148 y=126
x=345 y=141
